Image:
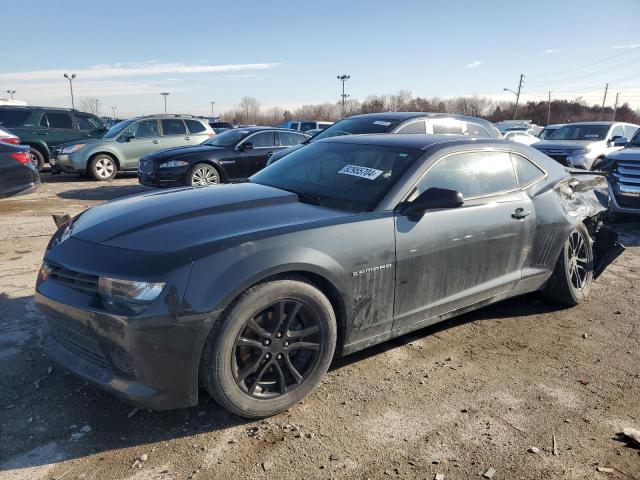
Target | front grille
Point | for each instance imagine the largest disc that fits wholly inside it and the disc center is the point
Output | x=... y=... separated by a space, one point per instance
x=80 y=344
x=145 y=166
x=559 y=155
x=76 y=280
x=561 y=159
x=627 y=184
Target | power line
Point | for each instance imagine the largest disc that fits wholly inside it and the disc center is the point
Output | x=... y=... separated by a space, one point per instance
x=590 y=74
x=591 y=64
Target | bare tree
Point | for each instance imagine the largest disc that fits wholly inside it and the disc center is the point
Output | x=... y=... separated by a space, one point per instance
x=89 y=105
x=249 y=109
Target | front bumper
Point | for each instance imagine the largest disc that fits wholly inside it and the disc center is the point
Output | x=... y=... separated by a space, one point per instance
x=160 y=177
x=161 y=370
x=66 y=163
x=616 y=206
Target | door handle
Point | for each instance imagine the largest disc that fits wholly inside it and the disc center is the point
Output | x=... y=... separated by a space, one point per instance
x=155 y=141
x=44 y=134
x=187 y=138
x=520 y=213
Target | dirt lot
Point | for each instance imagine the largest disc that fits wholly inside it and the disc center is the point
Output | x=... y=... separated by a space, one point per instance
x=457 y=399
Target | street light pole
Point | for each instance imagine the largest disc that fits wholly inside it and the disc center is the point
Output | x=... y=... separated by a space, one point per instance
x=212 y=104
x=165 y=95
x=70 y=78
x=343 y=79
x=97 y=108
x=12 y=93
x=113 y=109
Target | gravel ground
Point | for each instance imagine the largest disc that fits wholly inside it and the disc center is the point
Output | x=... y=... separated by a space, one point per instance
x=458 y=399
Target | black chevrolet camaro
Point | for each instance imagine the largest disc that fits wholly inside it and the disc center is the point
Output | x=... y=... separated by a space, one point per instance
x=230 y=156
x=250 y=290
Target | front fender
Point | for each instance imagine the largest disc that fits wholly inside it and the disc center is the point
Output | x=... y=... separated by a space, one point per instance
x=216 y=282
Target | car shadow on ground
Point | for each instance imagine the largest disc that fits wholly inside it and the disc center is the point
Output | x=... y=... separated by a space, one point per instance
x=48 y=423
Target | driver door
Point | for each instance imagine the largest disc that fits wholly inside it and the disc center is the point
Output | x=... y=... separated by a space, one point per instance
x=452 y=258
x=137 y=141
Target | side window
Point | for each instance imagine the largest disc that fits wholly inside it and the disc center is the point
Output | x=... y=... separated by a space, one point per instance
x=173 y=126
x=307 y=126
x=324 y=125
x=526 y=171
x=413 y=127
x=629 y=131
x=86 y=122
x=617 y=132
x=43 y=121
x=446 y=126
x=474 y=174
x=59 y=120
x=145 y=129
x=263 y=140
x=294 y=126
x=477 y=131
x=195 y=126
x=287 y=139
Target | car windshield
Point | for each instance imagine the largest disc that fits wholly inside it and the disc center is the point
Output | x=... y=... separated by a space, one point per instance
x=635 y=140
x=341 y=175
x=228 y=138
x=355 y=126
x=580 y=132
x=117 y=128
x=546 y=133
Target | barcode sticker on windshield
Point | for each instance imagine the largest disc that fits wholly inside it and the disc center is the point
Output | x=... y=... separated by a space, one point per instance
x=362 y=172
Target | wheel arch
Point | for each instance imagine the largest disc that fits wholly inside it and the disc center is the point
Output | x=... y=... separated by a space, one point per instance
x=42 y=147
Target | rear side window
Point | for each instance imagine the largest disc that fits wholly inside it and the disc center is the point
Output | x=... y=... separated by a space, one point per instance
x=413 y=127
x=446 y=126
x=474 y=174
x=173 y=126
x=527 y=172
x=324 y=125
x=294 y=125
x=289 y=138
x=59 y=120
x=307 y=126
x=13 y=118
x=195 y=126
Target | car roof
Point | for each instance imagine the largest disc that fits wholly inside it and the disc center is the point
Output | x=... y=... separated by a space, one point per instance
x=411 y=140
x=590 y=123
x=34 y=107
x=408 y=115
x=258 y=129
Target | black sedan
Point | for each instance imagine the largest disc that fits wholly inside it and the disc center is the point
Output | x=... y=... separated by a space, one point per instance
x=18 y=175
x=231 y=156
x=250 y=289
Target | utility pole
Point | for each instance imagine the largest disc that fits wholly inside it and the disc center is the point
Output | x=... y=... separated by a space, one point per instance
x=97 y=108
x=212 y=104
x=606 y=89
x=615 y=107
x=517 y=94
x=343 y=79
x=165 y=95
x=12 y=93
x=549 y=109
x=70 y=78
x=113 y=109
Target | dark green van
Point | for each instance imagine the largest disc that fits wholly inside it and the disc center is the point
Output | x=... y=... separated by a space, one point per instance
x=42 y=128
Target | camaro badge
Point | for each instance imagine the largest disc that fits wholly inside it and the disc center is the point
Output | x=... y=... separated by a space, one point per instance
x=372 y=269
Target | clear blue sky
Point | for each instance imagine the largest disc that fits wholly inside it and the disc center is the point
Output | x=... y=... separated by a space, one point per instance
x=288 y=53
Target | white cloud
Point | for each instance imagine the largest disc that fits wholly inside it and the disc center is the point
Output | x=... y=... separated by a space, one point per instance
x=632 y=45
x=130 y=70
x=552 y=50
x=475 y=64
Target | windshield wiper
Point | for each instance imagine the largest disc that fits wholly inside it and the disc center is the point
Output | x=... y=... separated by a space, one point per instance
x=303 y=196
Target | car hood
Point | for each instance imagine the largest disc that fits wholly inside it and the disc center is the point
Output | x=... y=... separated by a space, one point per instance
x=563 y=144
x=86 y=141
x=629 y=153
x=181 y=151
x=183 y=218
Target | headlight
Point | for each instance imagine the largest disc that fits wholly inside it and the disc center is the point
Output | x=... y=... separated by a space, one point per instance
x=173 y=164
x=72 y=148
x=580 y=151
x=125 y=296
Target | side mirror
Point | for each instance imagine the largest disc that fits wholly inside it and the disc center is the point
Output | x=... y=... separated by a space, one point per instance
x=246 y=146
x=126 y=137
x=619 y=142
x=431 y=199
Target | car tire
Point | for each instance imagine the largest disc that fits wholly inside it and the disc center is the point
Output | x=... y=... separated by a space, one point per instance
x=282 y=370
x=103 y=167
x=203 y=175
x=37 y=158
x=572 y=277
